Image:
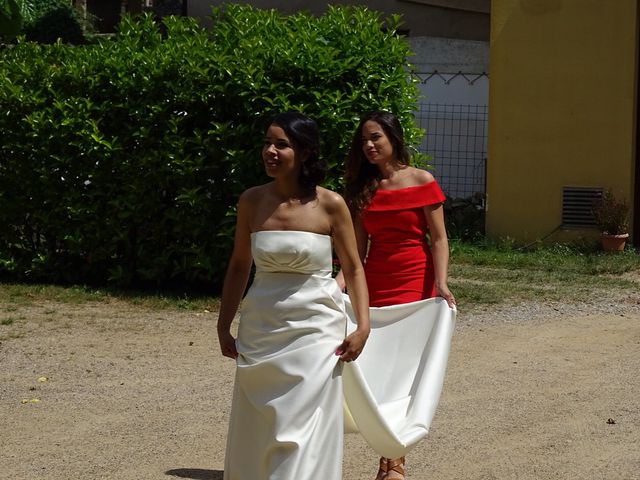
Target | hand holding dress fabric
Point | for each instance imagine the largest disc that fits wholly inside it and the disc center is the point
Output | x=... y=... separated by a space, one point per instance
x=351 y=348
x=444 y=292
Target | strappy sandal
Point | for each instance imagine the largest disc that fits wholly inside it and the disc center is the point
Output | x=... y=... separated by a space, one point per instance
x=395 y=469
x=382 y=471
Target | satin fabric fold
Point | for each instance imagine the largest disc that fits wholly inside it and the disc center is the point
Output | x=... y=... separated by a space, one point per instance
x=286 y=421
x=392 y=390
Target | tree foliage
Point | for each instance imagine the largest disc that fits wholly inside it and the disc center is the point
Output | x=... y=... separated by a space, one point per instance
x=45 y=21
x=11 y=19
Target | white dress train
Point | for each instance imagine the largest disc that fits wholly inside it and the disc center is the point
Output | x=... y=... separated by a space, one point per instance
x=392 y=390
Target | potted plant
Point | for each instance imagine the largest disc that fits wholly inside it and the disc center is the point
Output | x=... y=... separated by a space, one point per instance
x=612 y=218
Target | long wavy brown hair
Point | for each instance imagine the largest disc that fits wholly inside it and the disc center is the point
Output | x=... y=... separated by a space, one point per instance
x=361 y=176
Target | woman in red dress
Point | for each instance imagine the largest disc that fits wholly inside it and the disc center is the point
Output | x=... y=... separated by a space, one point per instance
x=399 y=223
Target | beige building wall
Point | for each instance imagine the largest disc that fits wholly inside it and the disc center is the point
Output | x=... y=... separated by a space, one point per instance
x=561 y=109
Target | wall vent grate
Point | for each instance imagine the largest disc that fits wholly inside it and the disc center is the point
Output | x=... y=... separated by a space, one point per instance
x=577 y=204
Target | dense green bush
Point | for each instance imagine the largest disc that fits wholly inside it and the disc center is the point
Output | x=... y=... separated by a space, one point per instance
x=44 y=21
x=122 y=161
x=51 y=20
x=11 y=19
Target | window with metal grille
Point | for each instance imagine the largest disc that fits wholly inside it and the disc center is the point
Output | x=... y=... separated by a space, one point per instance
x=577 y=205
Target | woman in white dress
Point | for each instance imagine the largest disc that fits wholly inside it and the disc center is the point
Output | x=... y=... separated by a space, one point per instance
x=286 y=421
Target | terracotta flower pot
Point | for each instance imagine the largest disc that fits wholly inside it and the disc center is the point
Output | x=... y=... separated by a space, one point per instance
x=613 y=243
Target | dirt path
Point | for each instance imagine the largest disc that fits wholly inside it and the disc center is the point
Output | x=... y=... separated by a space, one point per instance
x=136 y=394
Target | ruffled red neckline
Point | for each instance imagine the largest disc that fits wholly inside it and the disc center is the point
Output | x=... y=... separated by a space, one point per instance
x=407 y=197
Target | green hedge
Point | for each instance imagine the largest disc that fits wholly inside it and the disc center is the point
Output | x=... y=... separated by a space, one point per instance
x=44 y=21
x=50 y=20
x=122 y=161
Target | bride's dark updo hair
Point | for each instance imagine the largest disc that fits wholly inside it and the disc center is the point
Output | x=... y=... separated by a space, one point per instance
x=304 y=135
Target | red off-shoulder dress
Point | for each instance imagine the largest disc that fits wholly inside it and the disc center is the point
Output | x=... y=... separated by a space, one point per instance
x=399 y=264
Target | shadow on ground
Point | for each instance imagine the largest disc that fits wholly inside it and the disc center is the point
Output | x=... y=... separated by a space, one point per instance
x=196 y=473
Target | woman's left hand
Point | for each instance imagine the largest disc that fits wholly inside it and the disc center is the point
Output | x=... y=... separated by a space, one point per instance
x=444 y=292
x=352 y=346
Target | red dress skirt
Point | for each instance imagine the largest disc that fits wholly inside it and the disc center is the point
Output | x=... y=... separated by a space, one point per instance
x=399 y=264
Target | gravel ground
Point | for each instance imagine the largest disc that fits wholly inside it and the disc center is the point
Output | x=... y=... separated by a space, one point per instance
x=115 y=391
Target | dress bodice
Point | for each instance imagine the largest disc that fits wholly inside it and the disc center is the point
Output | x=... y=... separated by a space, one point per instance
x=399 y=266
x=291 y=251
x=287 y=402
x=396 y=217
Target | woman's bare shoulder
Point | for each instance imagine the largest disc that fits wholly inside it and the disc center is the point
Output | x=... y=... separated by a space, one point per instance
x=329 y=199
x=253 y=195
x=421 y=176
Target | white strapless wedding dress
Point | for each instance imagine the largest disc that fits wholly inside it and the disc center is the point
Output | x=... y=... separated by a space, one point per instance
x=287 y=414
x=286 y=419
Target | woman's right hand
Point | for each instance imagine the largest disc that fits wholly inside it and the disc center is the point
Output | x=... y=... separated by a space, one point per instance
x=227 y=345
